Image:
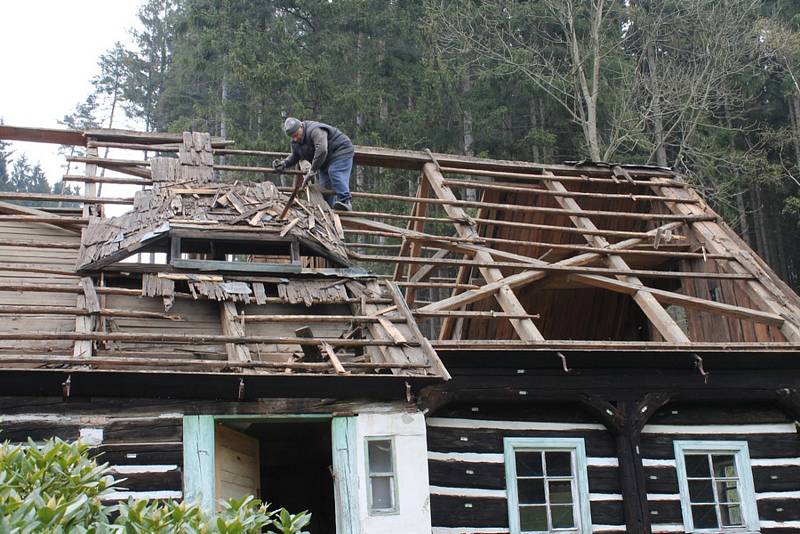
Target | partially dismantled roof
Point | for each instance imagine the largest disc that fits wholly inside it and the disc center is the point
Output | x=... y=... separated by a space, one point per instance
x=487 y=254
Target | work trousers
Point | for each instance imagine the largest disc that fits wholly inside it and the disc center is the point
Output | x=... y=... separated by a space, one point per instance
x=336 y=176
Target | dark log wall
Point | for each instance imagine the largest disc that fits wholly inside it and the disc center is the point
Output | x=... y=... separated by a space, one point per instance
x=140 y=440
x=467 y=473
x=774 y=447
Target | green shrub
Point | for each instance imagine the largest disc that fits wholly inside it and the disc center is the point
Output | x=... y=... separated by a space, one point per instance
x=57 y=488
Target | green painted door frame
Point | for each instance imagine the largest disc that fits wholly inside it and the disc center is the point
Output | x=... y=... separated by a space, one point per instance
x=198 y=461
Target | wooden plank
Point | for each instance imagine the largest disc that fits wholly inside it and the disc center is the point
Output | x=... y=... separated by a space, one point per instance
x=504 y=295
x=237 y=470
x=329 y=352
x=198 y=461
x=231 y=326
x=646 y=301
x=405 y=312
x=92 y=302
x=345 y=443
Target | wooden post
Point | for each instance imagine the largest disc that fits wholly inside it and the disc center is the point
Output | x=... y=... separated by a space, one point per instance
x=625 y=420
x=231 y=326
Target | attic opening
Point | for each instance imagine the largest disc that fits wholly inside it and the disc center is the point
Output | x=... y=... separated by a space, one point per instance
x=287 y=464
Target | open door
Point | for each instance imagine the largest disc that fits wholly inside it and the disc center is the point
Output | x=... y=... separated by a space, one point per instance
x=237 y=470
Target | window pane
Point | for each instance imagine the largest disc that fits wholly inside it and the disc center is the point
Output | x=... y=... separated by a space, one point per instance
x=731 y=515
x=701 y=491
x=558 y=463
x=560 y=492
x=728 y=492
x=530 y=490
x=724 y=465
x=533 y=518
x=697 y=465
x=529 y=464
x=704 y=516
x=382 y=493
x=380 y=456
x=562 y=516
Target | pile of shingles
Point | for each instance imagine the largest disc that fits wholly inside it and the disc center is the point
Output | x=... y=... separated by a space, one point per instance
x=213 y=207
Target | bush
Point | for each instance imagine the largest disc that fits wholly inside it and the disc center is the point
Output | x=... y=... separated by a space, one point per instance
x=57 y=488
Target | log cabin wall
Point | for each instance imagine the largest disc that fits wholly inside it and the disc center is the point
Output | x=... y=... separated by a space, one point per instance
x=467 y=475
x=141 y=440
x=774 y=448
x=19 y=259
x=467 y=472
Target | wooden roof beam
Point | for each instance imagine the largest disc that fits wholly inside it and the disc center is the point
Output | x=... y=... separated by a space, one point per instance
x=665 y=324
x=504 y=295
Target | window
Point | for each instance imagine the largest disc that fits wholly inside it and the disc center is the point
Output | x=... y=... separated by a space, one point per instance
x=547 y=485
x=716 y=486
x=382 y=489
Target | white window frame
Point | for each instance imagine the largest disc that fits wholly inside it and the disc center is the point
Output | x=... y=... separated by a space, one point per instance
x=741 y=453
x=395 y=509
x=583 y=519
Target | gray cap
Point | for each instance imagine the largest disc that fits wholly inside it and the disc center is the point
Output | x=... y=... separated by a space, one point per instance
x=291 y=125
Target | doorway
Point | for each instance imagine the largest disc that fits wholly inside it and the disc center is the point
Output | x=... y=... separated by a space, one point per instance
x=287 y=463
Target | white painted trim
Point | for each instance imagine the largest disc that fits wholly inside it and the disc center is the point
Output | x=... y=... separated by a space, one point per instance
x=141 y=495
x=132 y=469
x=605 y=496
x=667 y=527
x=779 y=524
x=468 y=530
x=597 y=461
x=778 y=495
x=473 y=457
x=772 y=428
x=652 y=462
x=446 y=422
x=468 y=492
x=663 y=496
x=774 y=462
x=608 y=528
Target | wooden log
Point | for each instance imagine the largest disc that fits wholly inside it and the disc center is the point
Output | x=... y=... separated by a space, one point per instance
x=543 y=177
x=55 y=220
x=554 y=268
x=10 y=195
x=315 y=319
x=535 y=209
x=492 y=222
x=543 y=244
x=102 y=361
x=13 y=309
x=38 y=244
x=194 y=339
x=106 y=179
x=539 y=190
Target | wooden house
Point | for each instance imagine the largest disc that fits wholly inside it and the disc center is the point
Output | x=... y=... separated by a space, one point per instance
x=522 y=348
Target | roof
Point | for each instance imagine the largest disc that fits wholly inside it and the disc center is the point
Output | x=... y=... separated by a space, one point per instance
x=485 y=255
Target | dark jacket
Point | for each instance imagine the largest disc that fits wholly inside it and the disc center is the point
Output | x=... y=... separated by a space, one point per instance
x=321 y=144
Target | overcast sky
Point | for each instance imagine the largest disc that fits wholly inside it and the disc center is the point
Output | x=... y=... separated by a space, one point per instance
x=50 y=50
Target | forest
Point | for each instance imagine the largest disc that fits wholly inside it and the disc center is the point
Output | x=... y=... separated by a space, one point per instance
x=706 y=87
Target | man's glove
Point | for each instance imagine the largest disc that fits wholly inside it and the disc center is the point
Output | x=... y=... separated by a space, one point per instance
x=309 y=178
x=278 y=164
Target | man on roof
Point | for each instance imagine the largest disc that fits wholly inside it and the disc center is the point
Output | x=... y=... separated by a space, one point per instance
x=330 y=153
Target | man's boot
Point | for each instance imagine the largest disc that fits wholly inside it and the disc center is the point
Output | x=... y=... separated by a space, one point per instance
x=342 y=205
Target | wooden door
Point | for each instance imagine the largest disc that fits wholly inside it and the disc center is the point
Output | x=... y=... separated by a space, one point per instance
x=237 y=470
